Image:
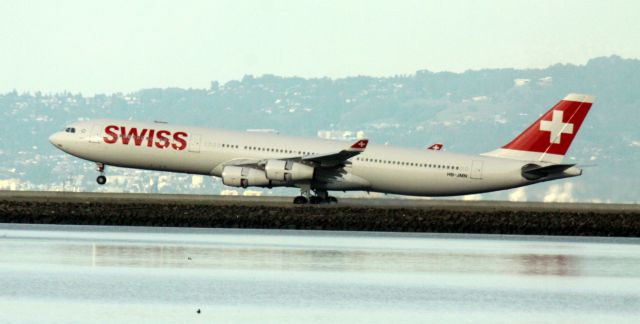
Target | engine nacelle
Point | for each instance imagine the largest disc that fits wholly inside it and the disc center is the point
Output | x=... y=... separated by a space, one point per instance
x=287 y=171
x=236 y=176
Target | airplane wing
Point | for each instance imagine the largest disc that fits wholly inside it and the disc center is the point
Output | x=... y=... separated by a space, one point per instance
x=336 y=158
x=243 y=162
x=321 y=160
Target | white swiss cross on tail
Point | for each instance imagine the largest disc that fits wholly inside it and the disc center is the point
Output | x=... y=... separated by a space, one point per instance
x=556 y=127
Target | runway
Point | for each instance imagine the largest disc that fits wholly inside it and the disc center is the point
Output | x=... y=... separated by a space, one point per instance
x=53 y=273
x=387 y=215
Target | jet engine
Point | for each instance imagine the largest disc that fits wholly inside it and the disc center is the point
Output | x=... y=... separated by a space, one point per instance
x=287 y=171
x=236 y=176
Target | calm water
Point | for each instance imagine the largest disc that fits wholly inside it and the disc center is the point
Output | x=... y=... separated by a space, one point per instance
x=107 y=274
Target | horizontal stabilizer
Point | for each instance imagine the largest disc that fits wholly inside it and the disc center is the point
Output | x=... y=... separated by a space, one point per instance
x=534 y=171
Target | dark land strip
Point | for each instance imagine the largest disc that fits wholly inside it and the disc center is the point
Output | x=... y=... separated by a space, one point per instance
x=389 y=215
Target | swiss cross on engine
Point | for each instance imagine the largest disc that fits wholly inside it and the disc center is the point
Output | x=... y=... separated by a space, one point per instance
x=556 y=127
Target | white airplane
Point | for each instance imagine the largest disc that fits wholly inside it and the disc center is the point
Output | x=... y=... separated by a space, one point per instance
x=244 y=159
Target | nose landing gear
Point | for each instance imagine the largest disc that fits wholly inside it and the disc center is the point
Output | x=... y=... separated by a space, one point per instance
x=101 y=178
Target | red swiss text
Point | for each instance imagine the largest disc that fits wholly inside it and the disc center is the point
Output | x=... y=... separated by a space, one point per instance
x=161 y=139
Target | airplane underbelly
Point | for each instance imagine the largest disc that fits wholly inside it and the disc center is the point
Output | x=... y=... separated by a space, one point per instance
x=432 y=182
x=153 y=159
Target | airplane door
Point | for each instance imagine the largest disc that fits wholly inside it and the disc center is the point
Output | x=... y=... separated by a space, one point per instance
x=194 y=143
x=476 y=170
x=96 y=134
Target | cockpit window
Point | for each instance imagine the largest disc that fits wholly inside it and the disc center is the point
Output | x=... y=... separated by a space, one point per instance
x=70 y=130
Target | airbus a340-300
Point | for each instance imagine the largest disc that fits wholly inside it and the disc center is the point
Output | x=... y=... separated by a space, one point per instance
x=316 y=166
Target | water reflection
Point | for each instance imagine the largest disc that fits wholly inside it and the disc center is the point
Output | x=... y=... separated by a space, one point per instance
x=347 y=254
x=285 y=259
x=550 y=265
x=365 y=277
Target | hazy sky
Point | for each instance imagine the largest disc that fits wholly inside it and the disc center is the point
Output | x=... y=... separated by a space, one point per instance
x=107 y=46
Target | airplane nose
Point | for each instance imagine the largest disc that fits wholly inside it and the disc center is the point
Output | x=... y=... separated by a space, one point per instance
x=56 y=139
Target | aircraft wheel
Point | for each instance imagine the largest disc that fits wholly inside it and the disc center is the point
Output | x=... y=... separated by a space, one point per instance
x=300 y=200
x=101 y=180
x=332 y=200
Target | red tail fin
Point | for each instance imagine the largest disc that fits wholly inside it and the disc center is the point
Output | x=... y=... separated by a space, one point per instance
x=549 y=138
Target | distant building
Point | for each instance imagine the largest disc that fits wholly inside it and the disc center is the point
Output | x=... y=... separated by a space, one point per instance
x=197 y=181
x=9 y=184
x=263 y=130
x=341 y=134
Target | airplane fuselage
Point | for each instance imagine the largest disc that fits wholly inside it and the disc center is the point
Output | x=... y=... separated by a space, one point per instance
x=194 y=150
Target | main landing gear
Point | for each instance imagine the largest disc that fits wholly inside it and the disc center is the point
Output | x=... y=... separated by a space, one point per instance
x=101 y=178
x=320 y=197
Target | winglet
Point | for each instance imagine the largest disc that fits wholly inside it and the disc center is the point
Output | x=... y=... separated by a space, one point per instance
x=337 y=158
x=435 y=147
x=359 y=146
